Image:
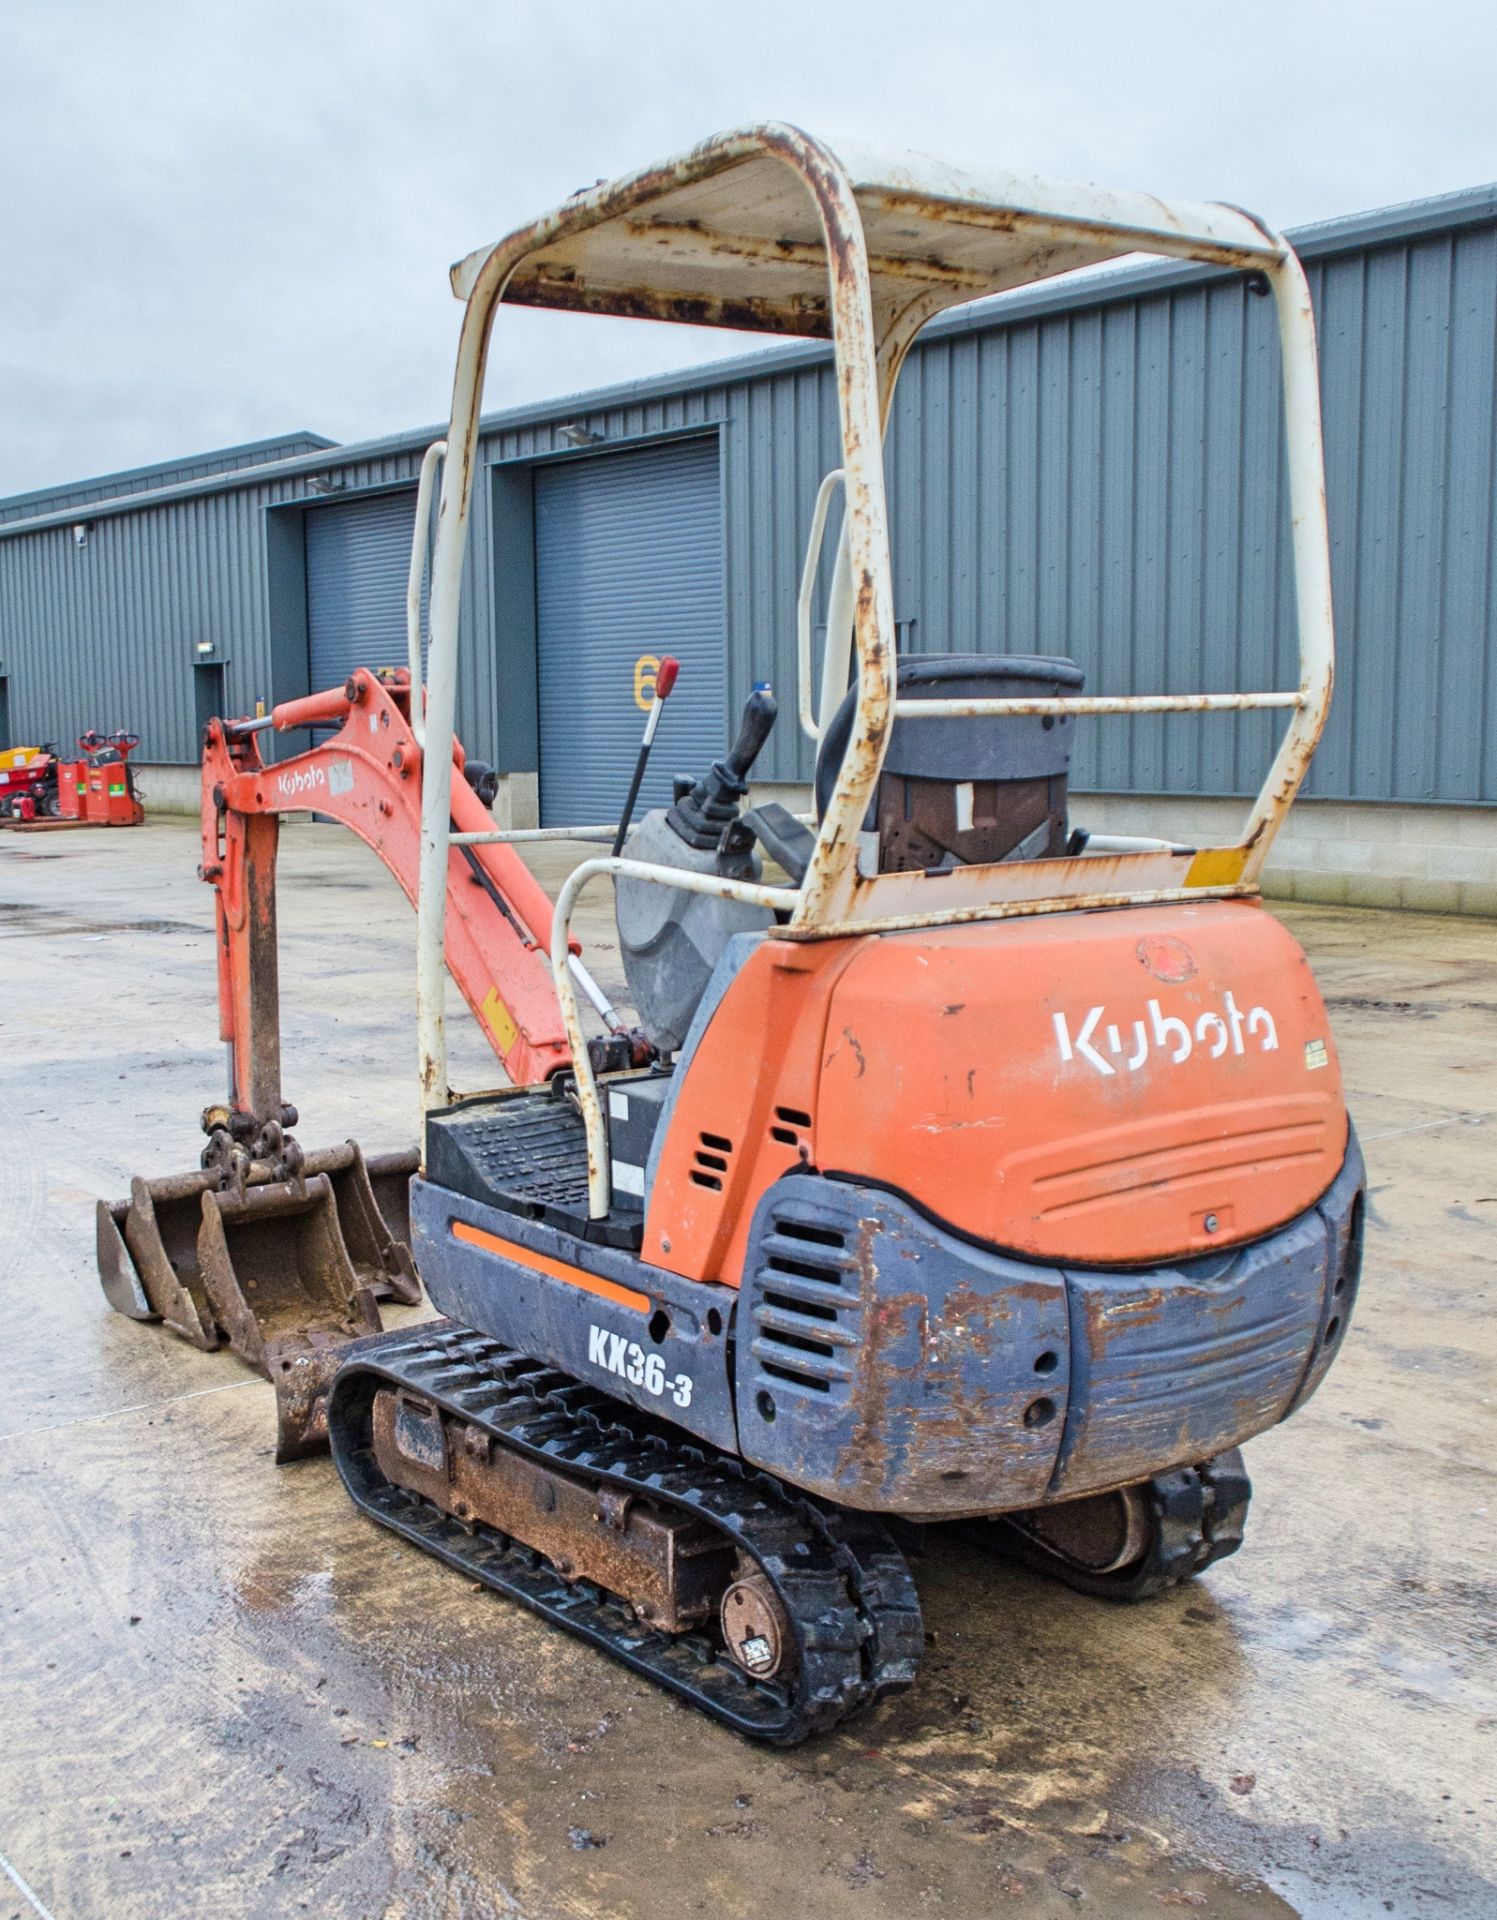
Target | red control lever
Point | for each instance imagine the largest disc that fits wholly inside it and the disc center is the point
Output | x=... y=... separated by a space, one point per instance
x=665 y=679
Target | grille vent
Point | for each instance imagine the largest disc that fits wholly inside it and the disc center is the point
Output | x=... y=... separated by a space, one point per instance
x=713 y=1154
x=806 y=1306
x=791 y=1127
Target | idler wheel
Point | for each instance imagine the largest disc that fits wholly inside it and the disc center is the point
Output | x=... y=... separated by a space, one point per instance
x=754 y=1626
x=1100 y=1533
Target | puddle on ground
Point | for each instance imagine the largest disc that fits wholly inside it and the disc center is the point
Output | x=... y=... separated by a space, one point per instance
x=22 y=919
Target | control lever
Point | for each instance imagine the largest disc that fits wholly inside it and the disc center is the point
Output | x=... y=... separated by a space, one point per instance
x=665 y=679
x=788 y=842
x=700 y=816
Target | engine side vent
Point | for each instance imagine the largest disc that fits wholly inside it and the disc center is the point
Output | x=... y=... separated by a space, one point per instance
x=806 y=1311
x=710 y=1168
x=791 y=1127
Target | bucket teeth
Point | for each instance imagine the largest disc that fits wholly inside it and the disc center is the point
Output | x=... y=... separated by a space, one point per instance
x=286 y=1272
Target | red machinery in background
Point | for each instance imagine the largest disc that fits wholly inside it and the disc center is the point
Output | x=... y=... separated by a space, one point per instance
x=37 y=789
x=99 y=789
x=28 y=784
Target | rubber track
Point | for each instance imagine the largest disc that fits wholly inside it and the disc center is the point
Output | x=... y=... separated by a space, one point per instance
x=1198 y=1514
x=845 y=1586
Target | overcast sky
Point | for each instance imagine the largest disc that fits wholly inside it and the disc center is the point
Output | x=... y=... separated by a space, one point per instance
x=225 y=221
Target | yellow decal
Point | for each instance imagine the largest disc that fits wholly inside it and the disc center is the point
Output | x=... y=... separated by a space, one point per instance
x=645 y=669
x=497 y=1017
x=1217 y=867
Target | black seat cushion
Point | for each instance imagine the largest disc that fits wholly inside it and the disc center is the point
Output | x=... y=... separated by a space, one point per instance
x=999 y=747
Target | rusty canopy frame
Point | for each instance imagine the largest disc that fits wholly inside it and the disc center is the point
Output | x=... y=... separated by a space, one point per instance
x=767 y=229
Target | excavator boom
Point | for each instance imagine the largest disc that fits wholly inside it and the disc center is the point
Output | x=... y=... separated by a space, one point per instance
x=280 y=1253
x=367 y=775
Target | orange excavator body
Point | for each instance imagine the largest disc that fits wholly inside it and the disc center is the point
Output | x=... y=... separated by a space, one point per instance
x=1111 y=1088
x=991 y=1170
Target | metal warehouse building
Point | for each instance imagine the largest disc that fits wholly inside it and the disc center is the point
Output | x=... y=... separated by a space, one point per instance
x=1091 y=468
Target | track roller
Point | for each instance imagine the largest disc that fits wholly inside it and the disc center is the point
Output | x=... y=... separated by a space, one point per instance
x=769 y=1613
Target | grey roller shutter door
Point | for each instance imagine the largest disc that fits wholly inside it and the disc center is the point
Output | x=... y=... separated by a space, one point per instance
x=358 y=560
x=629 y=562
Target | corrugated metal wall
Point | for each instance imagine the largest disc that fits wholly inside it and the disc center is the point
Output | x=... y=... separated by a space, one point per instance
x=112 y=486
x=358 y=562
x=628 y=565
x=106 y=634
x=1108 y=482
x=1096 y=477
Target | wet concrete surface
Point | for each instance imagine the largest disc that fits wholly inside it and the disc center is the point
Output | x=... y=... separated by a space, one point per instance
x=222 y=1693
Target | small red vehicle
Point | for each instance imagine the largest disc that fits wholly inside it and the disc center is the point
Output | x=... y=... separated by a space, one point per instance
x=99 y=789
x=95 y=790
x=28 y=783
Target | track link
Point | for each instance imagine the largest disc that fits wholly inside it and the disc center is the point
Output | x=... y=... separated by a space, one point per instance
x=845 y=1587
x=1196 y=1517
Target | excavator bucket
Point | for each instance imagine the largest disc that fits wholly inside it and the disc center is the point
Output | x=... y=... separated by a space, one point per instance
x=118 y=1275
x=373 y=1201
x=160 y=1230
x=281 y=1285
x=390 y=1183
x=286 y=1272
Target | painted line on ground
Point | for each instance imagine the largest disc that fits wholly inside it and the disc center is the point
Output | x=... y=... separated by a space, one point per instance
x=143 y=1406
x=26 y=1892
x=1426 y=1126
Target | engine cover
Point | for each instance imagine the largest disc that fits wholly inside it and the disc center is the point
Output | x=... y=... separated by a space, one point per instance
x=1107 y=1087
x=1104 y=1088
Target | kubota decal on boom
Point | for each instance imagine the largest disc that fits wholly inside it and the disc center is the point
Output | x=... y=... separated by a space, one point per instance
x=300 y=780
x=1165 y=1032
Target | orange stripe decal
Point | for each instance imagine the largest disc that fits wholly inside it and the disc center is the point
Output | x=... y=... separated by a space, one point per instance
x=557 y=1269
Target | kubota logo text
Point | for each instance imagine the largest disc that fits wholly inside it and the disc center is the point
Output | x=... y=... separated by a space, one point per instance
x=1104 y=1045
x=303 y=780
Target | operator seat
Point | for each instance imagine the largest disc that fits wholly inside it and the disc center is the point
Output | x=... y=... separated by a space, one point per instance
x=970 y=790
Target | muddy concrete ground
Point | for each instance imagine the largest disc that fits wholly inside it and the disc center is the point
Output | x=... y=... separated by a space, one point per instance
x=222 y=1693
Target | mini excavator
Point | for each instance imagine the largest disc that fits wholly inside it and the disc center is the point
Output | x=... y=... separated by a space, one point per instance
x=962 y=1166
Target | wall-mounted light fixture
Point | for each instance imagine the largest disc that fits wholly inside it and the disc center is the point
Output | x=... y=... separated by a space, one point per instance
x=80 y=534
x=574 y=434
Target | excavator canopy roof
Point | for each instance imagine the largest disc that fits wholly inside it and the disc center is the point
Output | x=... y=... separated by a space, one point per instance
x=766 y=229
x=729 y=235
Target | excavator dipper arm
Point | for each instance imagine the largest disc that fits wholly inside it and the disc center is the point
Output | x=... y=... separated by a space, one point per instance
x=278 y=1252
x=368 y=775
